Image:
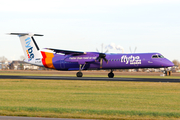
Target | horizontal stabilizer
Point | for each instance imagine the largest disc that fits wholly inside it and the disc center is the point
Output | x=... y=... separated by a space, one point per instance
x=23 y=34
x=66 y=52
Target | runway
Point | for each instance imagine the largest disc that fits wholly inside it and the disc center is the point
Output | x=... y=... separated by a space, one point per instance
x=89 y=78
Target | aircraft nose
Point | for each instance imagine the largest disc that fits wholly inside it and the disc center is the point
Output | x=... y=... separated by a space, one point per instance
x=172 y=64
x=168 y=63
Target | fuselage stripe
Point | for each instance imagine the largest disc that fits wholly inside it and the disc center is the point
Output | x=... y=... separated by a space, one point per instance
x=43 y=59
x=48 y=60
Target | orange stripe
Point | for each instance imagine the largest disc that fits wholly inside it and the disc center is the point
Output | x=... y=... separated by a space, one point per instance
x=48 y=60
x=49 y=54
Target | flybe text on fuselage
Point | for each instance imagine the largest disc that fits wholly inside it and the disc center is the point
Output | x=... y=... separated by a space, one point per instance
x=29 y=48
x=131 y=59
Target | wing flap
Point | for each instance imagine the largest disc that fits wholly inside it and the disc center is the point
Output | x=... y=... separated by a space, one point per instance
x=66 y=52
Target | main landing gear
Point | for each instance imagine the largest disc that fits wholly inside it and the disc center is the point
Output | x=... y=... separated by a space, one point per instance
x=111 y=74
x=80 y=74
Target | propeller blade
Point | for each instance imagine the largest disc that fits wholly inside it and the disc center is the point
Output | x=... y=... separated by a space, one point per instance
x=105 y=60
x=101 y=63
x=102 y=48
x=130 y=49
x=101 y=57
x=97 y=50
x=106 y=51
x=98 y=59
x=135 y=49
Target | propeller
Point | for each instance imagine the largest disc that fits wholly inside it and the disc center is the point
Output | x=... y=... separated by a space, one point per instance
x=101 y=57
x=134 y=49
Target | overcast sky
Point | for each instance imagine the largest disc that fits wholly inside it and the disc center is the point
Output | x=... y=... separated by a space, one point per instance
x=83 y=25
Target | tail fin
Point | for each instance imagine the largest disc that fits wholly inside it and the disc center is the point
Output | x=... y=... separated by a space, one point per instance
x=29 y=45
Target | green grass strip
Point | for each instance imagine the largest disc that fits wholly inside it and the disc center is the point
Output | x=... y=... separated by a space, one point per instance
x=90 y=112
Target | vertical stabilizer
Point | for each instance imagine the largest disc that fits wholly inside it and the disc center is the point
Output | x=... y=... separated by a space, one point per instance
x=29 y=45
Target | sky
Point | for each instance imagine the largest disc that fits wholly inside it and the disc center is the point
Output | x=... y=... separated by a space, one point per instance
x=84 y=25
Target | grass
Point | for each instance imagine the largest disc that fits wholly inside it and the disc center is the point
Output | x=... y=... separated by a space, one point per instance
x=90 y=99
x=148 y=76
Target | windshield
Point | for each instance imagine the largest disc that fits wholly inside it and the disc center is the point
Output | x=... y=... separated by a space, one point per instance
x=154 y=56
x=157 y=56
x=160 y=56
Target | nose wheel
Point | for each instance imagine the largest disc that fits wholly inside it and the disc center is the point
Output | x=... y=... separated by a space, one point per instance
x=111 y=74
x=167 y=72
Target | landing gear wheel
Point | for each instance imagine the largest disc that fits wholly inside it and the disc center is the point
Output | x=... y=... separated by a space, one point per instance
x=165 y=72
x=111 y=75
x=79 y=74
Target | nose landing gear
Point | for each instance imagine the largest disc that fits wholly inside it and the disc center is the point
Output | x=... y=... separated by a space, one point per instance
x=167 y=72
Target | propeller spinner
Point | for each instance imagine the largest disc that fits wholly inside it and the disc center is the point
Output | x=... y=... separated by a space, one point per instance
x=101 y=57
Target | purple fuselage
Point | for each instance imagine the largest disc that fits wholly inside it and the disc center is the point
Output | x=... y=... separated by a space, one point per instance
x=115 y=61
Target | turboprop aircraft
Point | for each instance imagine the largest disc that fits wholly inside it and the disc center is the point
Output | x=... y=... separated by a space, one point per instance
x=75 y=60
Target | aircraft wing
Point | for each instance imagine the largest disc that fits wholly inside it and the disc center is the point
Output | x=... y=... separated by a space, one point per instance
x=66 y=52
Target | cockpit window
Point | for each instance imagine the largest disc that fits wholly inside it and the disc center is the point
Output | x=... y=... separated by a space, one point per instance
x=160 y=56
x=157 y=56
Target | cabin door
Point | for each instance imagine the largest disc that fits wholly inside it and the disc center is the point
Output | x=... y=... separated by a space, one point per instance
x=62 y=64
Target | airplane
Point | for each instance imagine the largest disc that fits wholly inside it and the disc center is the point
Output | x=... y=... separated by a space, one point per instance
x=67 y=60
